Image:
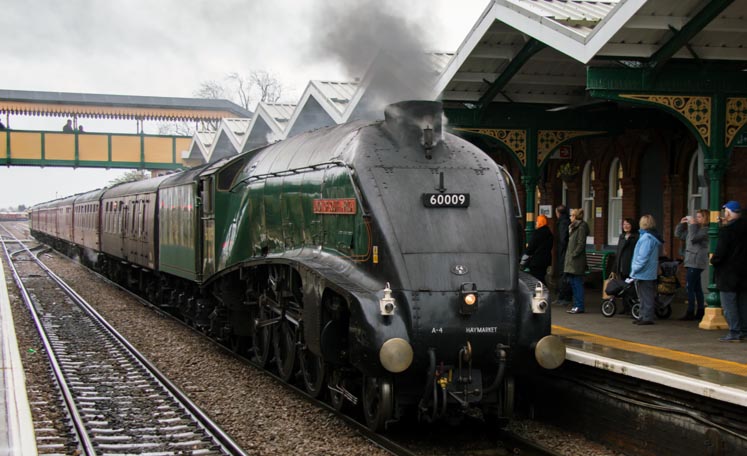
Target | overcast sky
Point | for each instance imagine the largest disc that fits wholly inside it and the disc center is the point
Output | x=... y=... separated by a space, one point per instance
x=168 y=47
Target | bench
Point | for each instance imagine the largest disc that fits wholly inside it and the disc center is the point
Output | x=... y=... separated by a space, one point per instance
x=599 y=261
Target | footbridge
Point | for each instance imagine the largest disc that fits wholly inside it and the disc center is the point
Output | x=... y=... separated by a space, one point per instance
x=75 y=148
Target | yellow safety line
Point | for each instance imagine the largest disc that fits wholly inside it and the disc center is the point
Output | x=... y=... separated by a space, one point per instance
x=675 y=355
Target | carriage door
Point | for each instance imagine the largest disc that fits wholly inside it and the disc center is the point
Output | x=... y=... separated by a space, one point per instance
x=208 y=226
x=123 y=212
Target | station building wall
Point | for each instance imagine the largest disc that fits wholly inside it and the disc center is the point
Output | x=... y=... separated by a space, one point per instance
x=662 y=174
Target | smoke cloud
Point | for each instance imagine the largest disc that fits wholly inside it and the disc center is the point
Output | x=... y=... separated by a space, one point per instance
x=373 y=40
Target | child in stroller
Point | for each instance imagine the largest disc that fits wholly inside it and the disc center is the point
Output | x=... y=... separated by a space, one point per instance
x=625 y=291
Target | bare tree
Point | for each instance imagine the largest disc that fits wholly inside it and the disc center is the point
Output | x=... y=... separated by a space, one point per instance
x=246 y=91
x=243 y=88
x=176 y=128
x=211 y=89
x=270 y=88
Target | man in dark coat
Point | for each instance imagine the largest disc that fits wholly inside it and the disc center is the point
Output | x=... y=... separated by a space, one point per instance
x=564 y=288
x=540 y=249
x=731 y=274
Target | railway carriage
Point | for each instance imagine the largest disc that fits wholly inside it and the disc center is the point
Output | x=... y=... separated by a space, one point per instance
x=376 y=260
x=6 y=216
x=128 y=222
x=53 y=221
x=86 y=225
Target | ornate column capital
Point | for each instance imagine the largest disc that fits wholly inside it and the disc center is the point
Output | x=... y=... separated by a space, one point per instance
x=513 y=139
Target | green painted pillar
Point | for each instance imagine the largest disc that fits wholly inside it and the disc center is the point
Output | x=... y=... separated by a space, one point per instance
x=715 y=168
x=529 y=178
x=530 y=187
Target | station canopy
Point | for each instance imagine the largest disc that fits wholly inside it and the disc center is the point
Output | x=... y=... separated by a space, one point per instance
x=101 y=106
x=525 y=51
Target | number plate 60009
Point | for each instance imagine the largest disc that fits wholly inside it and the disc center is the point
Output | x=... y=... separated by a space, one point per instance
x=446 y=199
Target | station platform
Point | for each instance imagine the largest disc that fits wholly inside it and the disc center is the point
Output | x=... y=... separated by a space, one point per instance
x=16 y=426
x=671 y=352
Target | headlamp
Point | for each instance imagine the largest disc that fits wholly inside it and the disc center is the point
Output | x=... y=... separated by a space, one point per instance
x=468 y=298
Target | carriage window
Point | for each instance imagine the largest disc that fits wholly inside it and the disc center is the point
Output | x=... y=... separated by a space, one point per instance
x=207 y=196
x=142 y=216
x=134 y=216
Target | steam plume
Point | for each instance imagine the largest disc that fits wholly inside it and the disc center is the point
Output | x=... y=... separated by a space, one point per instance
x=373 y=42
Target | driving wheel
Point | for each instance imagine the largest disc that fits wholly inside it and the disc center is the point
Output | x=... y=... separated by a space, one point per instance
x=378 y=402
x=312 y=371
x=284 y=344
x=262 y=338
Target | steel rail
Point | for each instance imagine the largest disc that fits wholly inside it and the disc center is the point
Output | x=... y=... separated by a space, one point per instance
x=228 y=444
x=81 y=434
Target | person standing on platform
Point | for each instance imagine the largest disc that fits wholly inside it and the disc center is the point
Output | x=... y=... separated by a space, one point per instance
x=694 y=231
x=575 y=259
x=80 y=129
x=625 y=246
x=730 y=271
x=540 y=249
x=644 y=267
x=68 y=127
x=564 y=288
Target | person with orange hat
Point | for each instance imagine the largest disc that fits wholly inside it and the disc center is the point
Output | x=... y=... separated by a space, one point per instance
x=539 y=249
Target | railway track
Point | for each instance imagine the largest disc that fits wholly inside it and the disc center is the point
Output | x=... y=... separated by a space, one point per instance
x=116 y=401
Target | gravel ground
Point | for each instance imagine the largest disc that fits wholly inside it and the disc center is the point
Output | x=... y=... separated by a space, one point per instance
x=250 y=406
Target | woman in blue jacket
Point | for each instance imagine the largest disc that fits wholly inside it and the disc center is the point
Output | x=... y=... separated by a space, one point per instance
x=644 y=268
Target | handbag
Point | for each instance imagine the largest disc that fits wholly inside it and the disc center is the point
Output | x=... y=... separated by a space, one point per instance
x=667 y=285
x=606 y=283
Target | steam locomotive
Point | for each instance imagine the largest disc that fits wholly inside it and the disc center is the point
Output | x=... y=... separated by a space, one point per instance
x=373 y=262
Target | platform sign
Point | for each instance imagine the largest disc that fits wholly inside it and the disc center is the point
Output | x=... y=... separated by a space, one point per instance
x=562 y=153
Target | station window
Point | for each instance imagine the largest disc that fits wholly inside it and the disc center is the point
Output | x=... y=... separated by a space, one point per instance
x=614 y=208
x=697 y=190
x=587 y=189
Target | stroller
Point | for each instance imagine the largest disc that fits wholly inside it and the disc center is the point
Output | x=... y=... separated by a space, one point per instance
x=667 y=285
